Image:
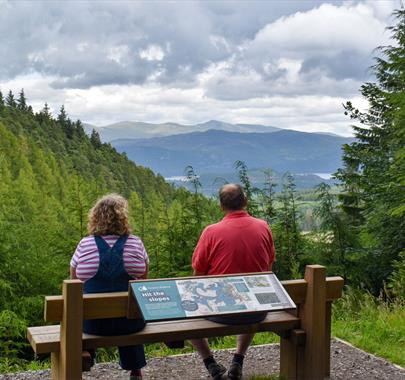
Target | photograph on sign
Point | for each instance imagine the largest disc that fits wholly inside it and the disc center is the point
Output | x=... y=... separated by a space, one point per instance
x=199 y=296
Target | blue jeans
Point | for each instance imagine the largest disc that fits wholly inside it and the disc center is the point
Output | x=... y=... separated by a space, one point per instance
x=131 y=357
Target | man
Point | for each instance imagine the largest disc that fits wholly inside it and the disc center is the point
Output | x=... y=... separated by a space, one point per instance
x=239 y=243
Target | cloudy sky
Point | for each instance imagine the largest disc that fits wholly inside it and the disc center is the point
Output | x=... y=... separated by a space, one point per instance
x=289 y=64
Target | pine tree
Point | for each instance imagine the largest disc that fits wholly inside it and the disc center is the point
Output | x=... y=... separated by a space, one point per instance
x=10 y=100
x=1 y=100
x=46 y=111
x=95 y=139
x=250 y=191
x=373 y=173
x=62 y=116
x=194 y=179
x=79 y=130
x=268 y=196
x=286 y=231
x=22 y=101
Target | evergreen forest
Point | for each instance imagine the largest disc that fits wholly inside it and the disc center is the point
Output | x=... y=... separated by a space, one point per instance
x=51 y=173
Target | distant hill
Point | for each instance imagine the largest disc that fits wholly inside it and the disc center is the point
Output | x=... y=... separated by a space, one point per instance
x=215 y=151
x=136 y=130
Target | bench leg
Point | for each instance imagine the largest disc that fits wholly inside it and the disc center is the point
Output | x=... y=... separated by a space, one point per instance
x=288 y=359
x=328 y=318
x=55 y=366
x=292 y=355
x=70 y=358
x=313 y=319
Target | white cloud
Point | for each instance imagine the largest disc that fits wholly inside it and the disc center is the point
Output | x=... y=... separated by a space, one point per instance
x=326 y=50
x=152 y=53
x=118 y=54
x=326 y=30
x=287 y=64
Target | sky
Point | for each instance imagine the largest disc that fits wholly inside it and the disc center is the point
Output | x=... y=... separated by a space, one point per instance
x=289 y=64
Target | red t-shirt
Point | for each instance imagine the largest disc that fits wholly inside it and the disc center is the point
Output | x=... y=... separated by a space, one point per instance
x=239 y=243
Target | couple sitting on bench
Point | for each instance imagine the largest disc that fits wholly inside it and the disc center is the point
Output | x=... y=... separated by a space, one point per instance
x=111 y=256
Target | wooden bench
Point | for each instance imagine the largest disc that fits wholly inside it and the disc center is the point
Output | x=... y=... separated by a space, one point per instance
x=305 y=335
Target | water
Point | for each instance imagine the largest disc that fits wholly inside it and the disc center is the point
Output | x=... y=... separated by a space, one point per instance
x=324 y=175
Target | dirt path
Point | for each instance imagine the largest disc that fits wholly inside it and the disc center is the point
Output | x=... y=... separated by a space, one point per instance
x=347 y=363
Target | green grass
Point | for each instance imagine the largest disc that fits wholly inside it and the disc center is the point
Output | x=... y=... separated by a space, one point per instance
x=371 y=324
x=18 y=365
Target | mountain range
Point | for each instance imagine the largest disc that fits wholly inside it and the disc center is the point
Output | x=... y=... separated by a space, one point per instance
x=215 y=151
x=136 y=129
x=213 y=147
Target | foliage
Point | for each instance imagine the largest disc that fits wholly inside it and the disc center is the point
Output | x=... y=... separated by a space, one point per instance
x=373 y=175
x=250 y=191
x=397 y=279
x=51 y=174
x=289 y=243
x=372 y=324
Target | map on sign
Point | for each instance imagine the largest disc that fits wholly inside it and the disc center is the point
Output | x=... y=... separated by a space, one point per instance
x=199 y=296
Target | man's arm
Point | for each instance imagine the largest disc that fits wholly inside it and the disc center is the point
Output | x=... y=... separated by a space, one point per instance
x=271 y=266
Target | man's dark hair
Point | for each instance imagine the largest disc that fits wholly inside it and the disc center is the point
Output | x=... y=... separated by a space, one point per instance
x=232 y=197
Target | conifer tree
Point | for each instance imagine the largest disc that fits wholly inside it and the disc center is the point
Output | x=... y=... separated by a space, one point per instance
x=10 y=100
x=374 y=165
x=62 y=116
x=22 y=101
x=79 y=130
x=1 y=100
x=250 y=191
x=268 y=196
x=46 y=110
x=95 y=139
x=286 y=231
x=193 y=178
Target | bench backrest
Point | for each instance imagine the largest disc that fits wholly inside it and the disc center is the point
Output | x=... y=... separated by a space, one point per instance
x=114 y=305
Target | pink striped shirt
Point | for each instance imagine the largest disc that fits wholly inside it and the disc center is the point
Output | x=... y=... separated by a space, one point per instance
x=86 y=257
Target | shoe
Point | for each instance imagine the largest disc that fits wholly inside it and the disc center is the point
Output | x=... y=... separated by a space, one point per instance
x=136 y=376
x=216 y=370
x=235 y=371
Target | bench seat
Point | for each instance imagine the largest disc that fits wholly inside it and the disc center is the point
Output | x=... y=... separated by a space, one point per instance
x=45 y=339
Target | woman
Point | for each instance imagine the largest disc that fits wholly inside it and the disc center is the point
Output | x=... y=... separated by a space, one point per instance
x=105 y=261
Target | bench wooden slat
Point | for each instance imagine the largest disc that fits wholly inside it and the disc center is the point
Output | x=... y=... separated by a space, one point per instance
x=115 y=305
x=108 y=305
x=46 y=339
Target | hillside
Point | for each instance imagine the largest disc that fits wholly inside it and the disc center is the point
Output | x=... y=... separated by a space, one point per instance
x=135 y=130
x=51 y=174
x=215 y=151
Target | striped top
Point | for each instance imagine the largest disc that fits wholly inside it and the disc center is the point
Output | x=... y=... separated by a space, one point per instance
x=86 y=257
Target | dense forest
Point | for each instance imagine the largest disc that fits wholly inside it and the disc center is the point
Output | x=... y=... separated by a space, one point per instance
x=51 y=173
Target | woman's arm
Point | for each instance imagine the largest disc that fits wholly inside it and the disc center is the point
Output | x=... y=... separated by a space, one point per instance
x=145 y=275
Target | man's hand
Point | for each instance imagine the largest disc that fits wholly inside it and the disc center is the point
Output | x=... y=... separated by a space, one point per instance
x=196 y=273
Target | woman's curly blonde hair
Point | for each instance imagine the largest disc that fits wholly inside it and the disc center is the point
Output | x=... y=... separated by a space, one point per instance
x=109 y=216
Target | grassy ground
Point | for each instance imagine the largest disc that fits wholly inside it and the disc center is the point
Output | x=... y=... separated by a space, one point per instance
x=371 y=324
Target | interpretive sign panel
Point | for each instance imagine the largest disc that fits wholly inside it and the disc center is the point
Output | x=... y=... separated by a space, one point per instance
x=208 y=296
